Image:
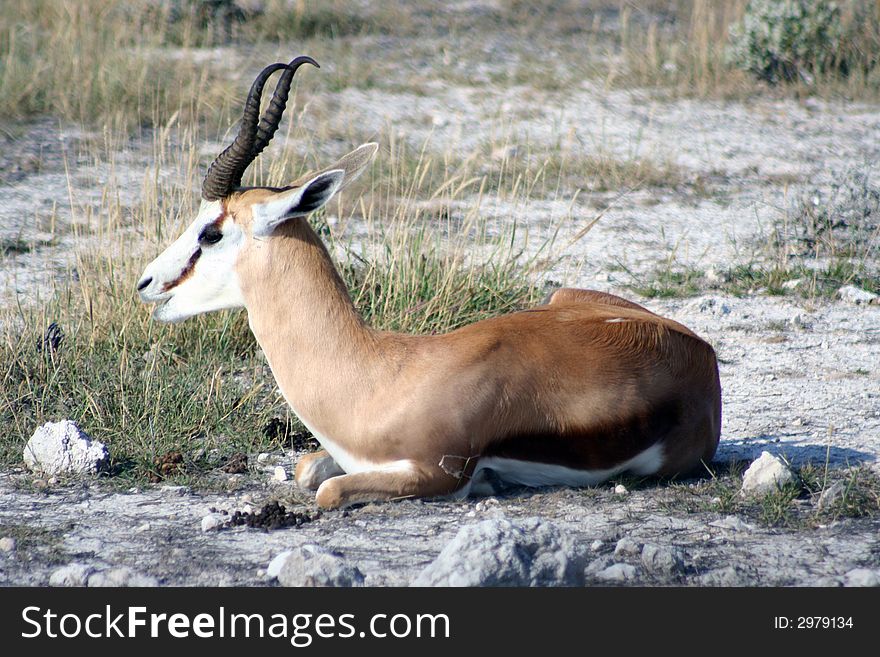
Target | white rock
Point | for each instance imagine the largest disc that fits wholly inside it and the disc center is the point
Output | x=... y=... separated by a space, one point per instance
x=596 y=545
x=620 y=489
x=275 y=566
x=858 y=296
x=213 y=521
x=73 y=574
x=263 y=457
x=279 y=474
x=312 y=565
x=168 y=489
x=734 y=523
x=7 y=544
x=662 y=560
x=766 y=474
x=64 y=448
x=792 y=284
x=725 y=576
x=712 y=275
x=144 y=527
x=121 y=577
x=830 y=495
x=501 y=552
x=862 y=577
x=626 y=547
x=619 y=572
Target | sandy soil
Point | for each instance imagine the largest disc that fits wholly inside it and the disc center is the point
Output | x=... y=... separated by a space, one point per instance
x=800 y=378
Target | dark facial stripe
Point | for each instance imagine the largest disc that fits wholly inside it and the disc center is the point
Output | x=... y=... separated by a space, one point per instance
x=191 y=265
x=186 y=273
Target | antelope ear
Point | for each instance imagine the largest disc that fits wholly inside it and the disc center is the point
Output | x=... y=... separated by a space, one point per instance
x=356 y=162
x=353 y=164
x=296 y=202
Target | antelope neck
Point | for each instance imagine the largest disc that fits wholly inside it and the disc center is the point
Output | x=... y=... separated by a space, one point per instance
x=321 y=352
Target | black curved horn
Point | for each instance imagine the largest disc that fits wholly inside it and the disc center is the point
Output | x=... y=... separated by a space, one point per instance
x=271 y=119
x=225 y=172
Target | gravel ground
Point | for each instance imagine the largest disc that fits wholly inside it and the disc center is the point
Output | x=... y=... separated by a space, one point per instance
x=800 y=378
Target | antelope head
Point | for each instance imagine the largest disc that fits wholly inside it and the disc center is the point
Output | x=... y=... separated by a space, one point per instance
x=197 y=272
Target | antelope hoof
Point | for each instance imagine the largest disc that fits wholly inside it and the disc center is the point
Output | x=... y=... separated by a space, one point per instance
x=314 y=469
x=331 y=495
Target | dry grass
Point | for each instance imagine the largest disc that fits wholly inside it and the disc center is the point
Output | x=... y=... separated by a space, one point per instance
x=202 y=387
x=97 y=62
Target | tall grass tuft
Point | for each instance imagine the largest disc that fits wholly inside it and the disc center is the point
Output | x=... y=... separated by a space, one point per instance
x=202 y=387
x=98 y=62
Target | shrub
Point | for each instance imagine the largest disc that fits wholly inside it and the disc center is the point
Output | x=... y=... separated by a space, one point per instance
x=787 y=40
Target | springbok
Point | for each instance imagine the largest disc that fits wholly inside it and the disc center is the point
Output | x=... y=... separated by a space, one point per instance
x=572 y=392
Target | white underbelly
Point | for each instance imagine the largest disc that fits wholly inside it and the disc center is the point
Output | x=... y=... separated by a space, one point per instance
x=531 y=473
x=351 y=463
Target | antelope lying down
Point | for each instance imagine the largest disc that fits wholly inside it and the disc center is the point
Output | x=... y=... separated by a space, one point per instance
x=571 y=392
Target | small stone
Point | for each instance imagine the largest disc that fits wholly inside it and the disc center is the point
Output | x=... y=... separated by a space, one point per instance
x=275 y=566
x=279 y=474
x=121 y=577
x=312 y=565
x=626 y=547
x=662 y=560
x=503 y=552
x=861 y=577
x=726 y=576
x=709 y=306
x=793 y=284
x=597 y=565
x=7 y=544
x=619 y=572
x=831 y=495
x=174 y=490
x=765 y=475
x=733 y=523
x=801 y=323
x=212 y=522
x=713 y=276
x=73 y=574
x=620 y=489
x=855 y=295
x=144 y=527
x=263 y=457
x=596 y=545
x=63 y=448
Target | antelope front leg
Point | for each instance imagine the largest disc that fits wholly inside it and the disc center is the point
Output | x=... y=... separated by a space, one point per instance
x=314 y=469
x=345 y=490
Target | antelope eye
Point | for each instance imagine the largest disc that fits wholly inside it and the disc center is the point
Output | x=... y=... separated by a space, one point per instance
x=210 y=235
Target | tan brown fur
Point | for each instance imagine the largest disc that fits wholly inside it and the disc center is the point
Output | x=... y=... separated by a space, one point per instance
x=559 y=383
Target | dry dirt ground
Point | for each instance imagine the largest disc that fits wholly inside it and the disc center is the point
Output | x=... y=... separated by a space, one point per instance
x=801 y=378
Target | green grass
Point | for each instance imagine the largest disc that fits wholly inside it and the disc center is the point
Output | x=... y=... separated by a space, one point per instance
x=793 y=506
x=811 y=282
x=675 y=280
x=670 y=281
x=34 y=543
x=202 y=388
